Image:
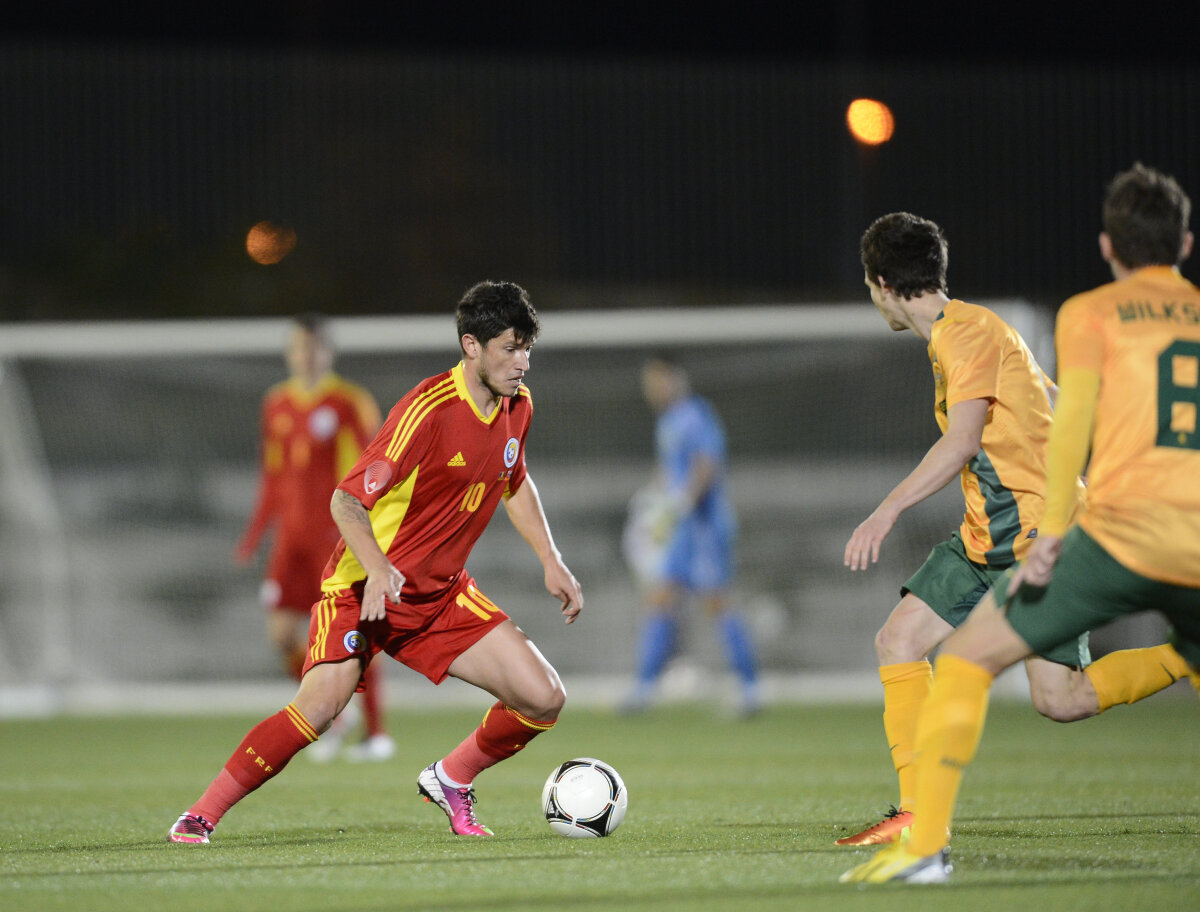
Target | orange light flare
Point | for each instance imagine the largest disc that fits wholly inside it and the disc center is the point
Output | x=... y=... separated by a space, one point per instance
x=870 y=121
x=268 y=243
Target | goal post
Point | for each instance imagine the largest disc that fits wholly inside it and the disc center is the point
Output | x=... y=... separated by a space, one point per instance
x=128 y=461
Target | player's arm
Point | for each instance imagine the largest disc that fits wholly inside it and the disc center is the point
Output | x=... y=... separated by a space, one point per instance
x=702 y=475
x=940 y=466
x=265 y=506
x=384 y=581
x=1051 y=389
x=524 y=508
x=1066 y=458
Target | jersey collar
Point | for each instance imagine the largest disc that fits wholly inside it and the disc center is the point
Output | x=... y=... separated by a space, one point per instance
x=460 y=385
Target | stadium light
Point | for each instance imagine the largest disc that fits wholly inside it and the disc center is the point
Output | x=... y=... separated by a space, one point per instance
x=870 y=121
x=268 y=243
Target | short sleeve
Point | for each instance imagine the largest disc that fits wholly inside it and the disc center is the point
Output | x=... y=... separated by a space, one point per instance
x=387 y=460
x=971 y=360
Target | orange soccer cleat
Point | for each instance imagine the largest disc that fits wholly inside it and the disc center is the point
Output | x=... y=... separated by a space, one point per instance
x=896 y=824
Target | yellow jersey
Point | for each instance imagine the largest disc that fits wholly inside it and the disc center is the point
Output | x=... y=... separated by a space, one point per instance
x=976 y=355
x=1141 y=335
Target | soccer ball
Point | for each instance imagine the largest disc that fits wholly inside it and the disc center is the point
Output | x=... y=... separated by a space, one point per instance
x=584 y=797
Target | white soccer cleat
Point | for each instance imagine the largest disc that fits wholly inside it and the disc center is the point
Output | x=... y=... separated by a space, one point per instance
x=374 y=749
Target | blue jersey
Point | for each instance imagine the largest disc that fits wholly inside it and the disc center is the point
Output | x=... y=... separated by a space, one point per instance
x=699 y=555
x=688 y=429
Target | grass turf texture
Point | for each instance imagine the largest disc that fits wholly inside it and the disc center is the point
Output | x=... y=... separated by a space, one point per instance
x=1102 y=814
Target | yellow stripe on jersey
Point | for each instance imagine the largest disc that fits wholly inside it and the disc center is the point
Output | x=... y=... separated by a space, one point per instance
x=326 y=612
x=415 y=414
x=302 y=724
x=386 y=518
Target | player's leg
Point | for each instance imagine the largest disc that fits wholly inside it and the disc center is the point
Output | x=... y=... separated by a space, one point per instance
x=911 y=632
x=738 y=645
x=1089 y=588
x=267 y=748
x=1129 y=675
x=529 y=694
x=656 y=643
x=664 y=601
x=710 y=575
x=934 y=600
x=1065 y=692
x=948 y=734
x=510 y=667
x=377 y=744
x=902 y=646
x=1060 y=692
x=288 y=632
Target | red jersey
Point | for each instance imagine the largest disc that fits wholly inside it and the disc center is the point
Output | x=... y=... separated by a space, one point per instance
x=431 y=480
x=310 y=439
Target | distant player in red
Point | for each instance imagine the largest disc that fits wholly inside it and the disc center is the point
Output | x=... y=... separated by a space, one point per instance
x=314 y=426
x=409 y=512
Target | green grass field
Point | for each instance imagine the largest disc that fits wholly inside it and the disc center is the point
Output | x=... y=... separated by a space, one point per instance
x=1103 y=814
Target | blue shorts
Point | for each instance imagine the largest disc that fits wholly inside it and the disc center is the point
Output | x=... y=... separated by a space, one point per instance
x=699 y=556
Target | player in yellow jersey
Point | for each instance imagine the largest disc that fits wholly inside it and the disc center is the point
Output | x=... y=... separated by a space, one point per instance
x=994 y=407
x=1129 y=370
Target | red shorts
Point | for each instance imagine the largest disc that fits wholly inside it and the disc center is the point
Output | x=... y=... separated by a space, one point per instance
x=425 y=636
x=293 y=580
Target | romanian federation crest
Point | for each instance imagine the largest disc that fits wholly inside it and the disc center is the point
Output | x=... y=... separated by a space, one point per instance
x=510 y=452
x=354 y=641
x=377 y=475
x=323 y=422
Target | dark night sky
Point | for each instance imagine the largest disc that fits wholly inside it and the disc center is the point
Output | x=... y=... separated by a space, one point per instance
x=864 y=29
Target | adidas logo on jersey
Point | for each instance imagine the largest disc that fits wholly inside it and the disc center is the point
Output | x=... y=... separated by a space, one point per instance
x=457 y=460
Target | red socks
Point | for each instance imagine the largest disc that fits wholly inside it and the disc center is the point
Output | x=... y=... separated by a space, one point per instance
x=503 y=732
x=264 y=751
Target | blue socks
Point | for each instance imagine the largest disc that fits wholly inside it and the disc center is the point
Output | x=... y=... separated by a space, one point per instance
x=738 y=648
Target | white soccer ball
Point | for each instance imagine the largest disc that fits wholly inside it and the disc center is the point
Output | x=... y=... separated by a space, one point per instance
x=584 y=797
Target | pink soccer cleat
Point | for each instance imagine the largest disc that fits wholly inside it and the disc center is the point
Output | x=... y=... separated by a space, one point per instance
x=459 y=804
x=190 y=829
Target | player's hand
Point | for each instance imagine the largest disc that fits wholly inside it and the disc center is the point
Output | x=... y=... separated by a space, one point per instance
x=382 y=586
x=564 y=587
x=863 y=548
x=1039 y=564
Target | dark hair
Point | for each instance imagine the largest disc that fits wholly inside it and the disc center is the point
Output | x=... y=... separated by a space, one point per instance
x=910 y=253
x=313 y=322
x=488 y=309
x=1146 y=215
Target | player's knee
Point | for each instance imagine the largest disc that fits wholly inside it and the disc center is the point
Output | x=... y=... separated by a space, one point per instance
x=1061 y=705
x=893 y=644
x=545 y=704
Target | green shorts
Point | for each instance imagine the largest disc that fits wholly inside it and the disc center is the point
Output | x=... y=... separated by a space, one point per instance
x=1089 y=588
x=952 y=584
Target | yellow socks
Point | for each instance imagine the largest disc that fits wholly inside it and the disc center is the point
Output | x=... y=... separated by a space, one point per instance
x=906 y=686
x=948 y=733
x=1133 y=674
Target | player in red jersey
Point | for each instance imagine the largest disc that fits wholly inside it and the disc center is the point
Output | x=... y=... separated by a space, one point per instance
x=409 y=513
x=314 y=426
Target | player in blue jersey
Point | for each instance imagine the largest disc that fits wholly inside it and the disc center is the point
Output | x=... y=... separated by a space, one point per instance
x=696 y=529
